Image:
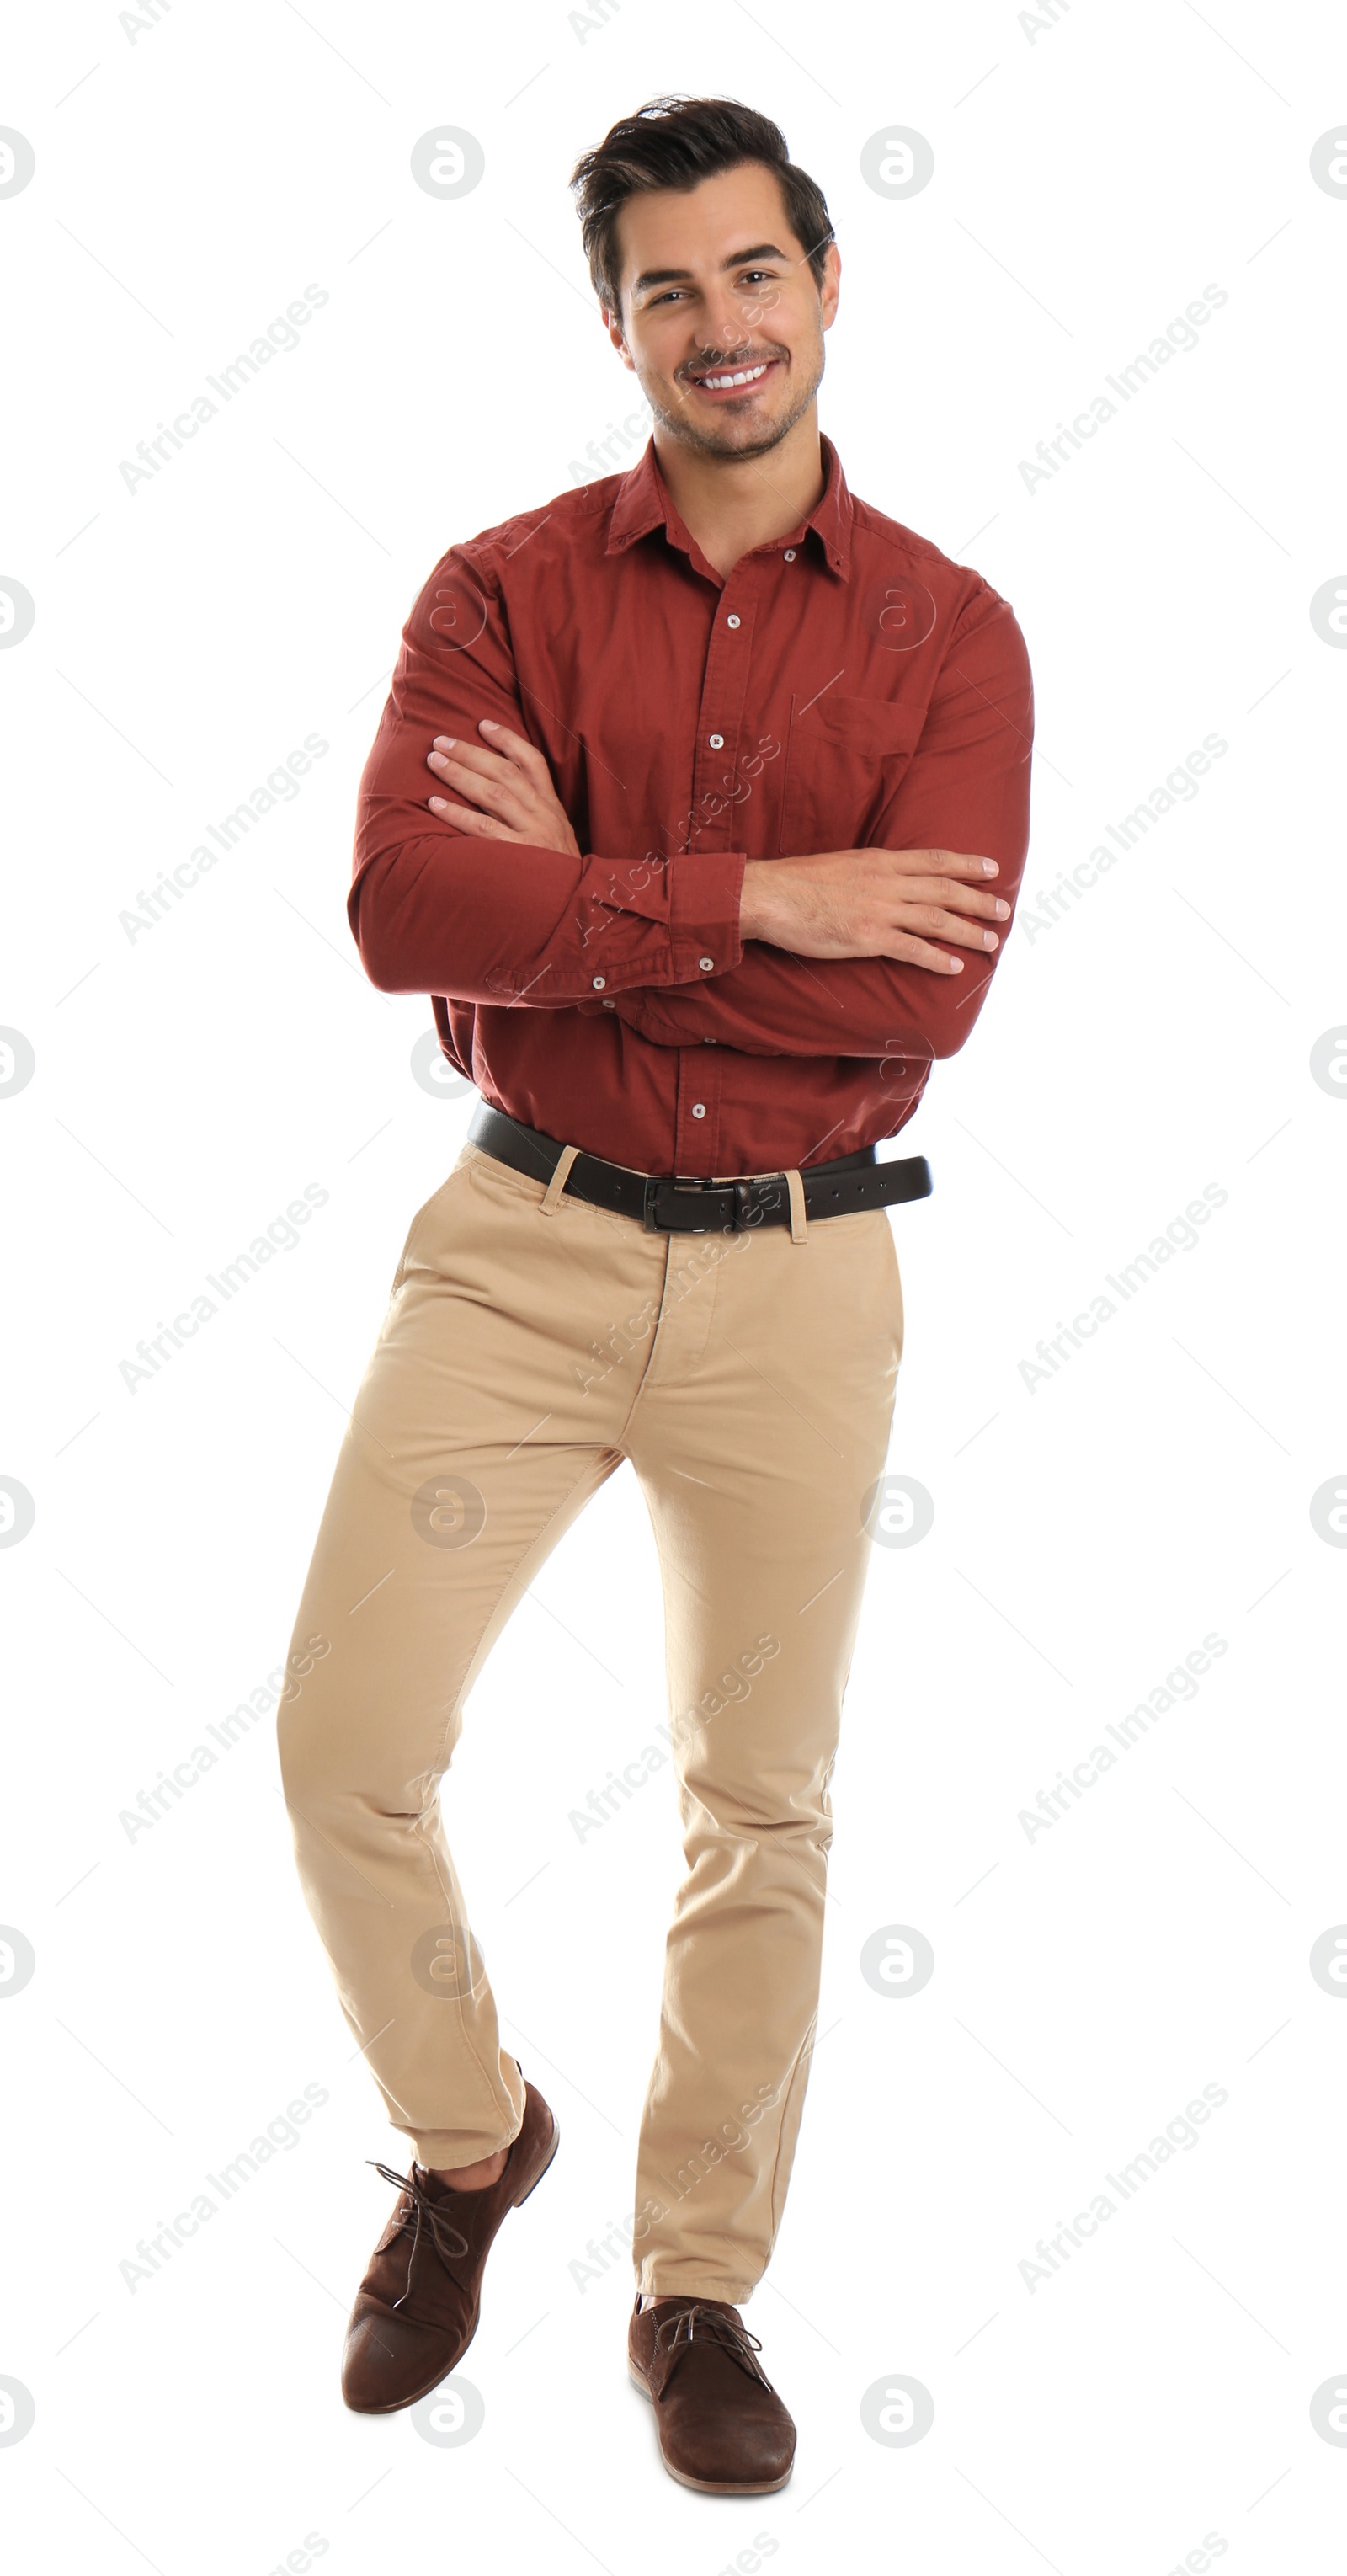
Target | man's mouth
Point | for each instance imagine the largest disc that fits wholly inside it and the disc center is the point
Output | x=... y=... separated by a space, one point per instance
x=732 y=381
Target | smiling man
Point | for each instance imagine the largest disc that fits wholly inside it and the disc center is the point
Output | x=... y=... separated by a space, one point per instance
x=697 y=807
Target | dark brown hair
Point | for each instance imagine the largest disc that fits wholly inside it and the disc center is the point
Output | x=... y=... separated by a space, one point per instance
x=675 y=143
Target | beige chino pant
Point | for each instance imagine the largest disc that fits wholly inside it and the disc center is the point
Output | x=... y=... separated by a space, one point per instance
x=531 y=1343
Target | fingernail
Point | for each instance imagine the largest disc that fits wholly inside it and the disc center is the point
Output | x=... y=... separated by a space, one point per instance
x=1003 y=912
x=437 y=804
x=990 y=940
x=489 y=725
x=956 y=965
x=990 y=868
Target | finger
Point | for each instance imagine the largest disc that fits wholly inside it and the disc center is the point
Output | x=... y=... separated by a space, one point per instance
x=495 y=761
x=469 y=755
x=956 y=898
x=919 y=952
x=929 y=921
x=953 y=863
x=518 y=748
x=508 y=796
x=463 y=819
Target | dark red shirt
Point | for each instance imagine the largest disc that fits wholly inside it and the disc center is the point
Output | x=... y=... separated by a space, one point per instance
x=845 y=687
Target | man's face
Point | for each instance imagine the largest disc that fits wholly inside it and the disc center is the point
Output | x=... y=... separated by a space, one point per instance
x=714 y=284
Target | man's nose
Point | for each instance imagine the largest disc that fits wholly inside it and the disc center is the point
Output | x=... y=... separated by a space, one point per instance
x=725 y=328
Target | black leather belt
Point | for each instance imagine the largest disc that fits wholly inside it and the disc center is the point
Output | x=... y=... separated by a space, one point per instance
x=683 y=1206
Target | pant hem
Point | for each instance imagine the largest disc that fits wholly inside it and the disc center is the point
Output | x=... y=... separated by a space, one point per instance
x=735 y=2293
x=442 y=2151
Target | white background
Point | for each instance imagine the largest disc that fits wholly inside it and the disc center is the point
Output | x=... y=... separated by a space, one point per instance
x=1092 y=175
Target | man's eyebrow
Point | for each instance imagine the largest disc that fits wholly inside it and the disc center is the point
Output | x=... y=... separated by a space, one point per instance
x=679 y=276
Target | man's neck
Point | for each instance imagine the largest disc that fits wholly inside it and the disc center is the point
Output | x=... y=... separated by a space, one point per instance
x=732 y=504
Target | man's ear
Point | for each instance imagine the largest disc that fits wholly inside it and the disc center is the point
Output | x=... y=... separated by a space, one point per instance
x=830 y=288
x=616 y=334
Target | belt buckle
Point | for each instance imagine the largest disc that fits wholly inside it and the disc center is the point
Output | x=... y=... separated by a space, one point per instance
x=654 y=1182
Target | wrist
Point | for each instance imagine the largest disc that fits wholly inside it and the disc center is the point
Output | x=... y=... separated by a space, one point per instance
x=757 y=912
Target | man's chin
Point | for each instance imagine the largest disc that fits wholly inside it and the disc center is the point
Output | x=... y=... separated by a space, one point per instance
x=731 y=436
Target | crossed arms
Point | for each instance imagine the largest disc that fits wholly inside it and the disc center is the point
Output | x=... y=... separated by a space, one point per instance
x=845 y=952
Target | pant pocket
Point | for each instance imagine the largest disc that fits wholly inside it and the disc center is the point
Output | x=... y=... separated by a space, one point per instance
x=422 y=1217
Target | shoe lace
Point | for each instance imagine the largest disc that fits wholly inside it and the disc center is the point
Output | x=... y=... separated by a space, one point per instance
x=423 y=2213
x=713 y=2325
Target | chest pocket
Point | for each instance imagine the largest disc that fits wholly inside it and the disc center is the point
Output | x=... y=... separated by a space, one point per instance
x=844 y=759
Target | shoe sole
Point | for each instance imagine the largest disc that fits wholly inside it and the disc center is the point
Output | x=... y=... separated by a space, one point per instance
x=708 y=2486
x=400 y=2404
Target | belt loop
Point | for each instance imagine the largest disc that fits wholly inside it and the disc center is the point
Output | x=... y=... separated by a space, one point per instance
x=558 y=1180
x=795 y=1186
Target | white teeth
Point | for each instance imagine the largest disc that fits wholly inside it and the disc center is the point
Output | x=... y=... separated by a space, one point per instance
x=748 y=376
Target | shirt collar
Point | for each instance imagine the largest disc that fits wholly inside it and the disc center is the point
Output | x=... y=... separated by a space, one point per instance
x=643 y=503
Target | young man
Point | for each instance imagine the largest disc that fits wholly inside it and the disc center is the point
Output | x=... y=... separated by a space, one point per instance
x=695 y=804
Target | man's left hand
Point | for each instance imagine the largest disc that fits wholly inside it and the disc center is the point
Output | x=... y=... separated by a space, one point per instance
x=509 y=782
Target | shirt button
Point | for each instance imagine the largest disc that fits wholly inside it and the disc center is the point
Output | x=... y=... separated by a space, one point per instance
x=610 y=1006
x=789 y=556
x=717 y=741
x=699 y=1109
x=731 y=621
x=706 y=964
x=599 y=982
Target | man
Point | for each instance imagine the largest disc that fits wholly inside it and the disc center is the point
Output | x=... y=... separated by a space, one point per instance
x=696 y=800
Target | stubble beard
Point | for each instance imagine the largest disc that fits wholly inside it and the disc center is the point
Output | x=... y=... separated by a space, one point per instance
x=676 y=419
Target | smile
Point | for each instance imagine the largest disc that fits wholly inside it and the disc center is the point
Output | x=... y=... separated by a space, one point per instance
x=740 y=381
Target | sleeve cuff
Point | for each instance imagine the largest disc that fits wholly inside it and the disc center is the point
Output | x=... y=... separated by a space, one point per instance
x=692 y=898
x=704 y=897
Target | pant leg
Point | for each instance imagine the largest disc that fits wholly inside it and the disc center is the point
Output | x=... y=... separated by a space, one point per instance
x=761 y=1426
x=484 y=1423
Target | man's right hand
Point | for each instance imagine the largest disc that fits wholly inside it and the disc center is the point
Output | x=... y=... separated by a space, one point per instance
x=873 y=903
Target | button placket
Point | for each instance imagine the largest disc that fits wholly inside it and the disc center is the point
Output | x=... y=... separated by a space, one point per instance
x=697 y=1116
x=720 y=714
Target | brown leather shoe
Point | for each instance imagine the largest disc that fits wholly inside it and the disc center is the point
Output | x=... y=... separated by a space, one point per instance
x=721 y=2425
x=416 y=2310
